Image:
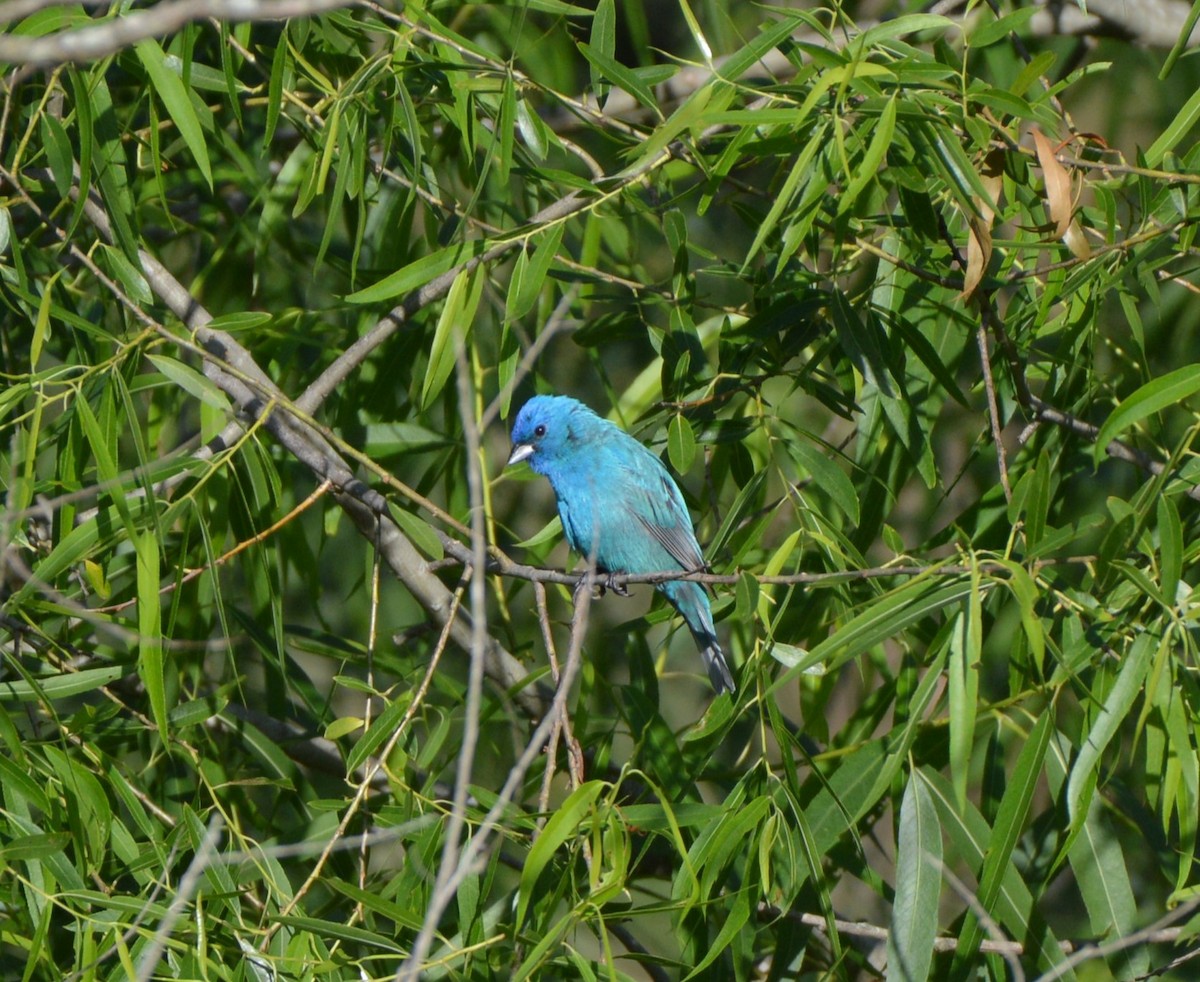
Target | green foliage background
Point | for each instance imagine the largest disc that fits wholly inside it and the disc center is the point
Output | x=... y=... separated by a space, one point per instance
x=967 y=699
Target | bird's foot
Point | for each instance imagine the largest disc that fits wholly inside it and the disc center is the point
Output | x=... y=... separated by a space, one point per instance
x=610 y=583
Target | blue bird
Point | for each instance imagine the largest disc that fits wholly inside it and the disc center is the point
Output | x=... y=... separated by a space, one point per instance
x=620 y=507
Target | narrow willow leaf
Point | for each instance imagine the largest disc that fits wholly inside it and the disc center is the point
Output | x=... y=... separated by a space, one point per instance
x=41 y=324
x=731 y=921
x=1170 y=545
x=418 y=272
x=340 y=931
x=741 y=61
x=698 y=37
x=1135 y=665
x=149 y=607
x=1025 y=591
x=963 y=672
x=58 y=154
x=1011 y=818
x=1182 y=42
x=1098 y=863
x=603 y=40
x=884 y=618
x=378 y=734
x=918 y=885
x=191 y=381
x=60 y=686
x=1179 y=127
x=453 y=328
x=884 y=130
x=174 y=95
x=533 y=277
x=605 y=66
x=1158 y=394
x=564 y=823
x=342 y=726
x=1013 y=911
x=990 y=31
x=828 y=477
x=421 y=532
x=905 y=25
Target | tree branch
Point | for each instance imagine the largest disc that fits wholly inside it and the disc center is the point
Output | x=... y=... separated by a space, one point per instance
x=123 y=30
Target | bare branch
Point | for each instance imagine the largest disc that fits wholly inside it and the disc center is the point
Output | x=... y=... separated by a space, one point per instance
x=107 y=37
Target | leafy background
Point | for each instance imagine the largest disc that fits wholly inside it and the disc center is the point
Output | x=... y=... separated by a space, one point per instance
x=906 y=297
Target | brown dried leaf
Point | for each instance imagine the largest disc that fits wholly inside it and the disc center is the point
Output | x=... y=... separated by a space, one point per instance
x=979 y=227
x=1077 y=242
x=979 y=254
x=1058 y=184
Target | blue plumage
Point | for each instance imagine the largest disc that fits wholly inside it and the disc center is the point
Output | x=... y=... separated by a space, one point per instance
x=619 y=507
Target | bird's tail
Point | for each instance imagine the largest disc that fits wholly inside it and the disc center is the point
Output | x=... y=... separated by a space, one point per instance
x=692 y=602
x=714 y=661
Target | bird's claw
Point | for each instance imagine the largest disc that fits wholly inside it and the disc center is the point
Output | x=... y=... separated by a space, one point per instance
x=602 y=585
x=610 y=583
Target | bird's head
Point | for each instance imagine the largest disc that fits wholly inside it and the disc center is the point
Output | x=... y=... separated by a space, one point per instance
x=546 y=430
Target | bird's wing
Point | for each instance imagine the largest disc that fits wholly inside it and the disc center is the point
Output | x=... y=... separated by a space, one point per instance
x=666 y=518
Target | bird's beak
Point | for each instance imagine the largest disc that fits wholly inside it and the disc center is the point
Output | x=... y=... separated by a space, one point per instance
x=519 y=453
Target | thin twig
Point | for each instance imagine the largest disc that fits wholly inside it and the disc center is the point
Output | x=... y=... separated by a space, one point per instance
x=188 y=884
x=989 y=385
x=410 y=970
x=451 y=852
x=1146 y=935
x=336 y=840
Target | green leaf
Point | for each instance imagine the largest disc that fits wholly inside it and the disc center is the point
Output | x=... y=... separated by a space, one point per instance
x=1179 y=127
x=1134 y=666
x=1170 y=545
x=150 y=650
x=419 y=272
x=58 y=154
x=342 y=726
x=550 y=532
x=41 y=324
x=681 y=444
x=603 y=41
x=966 y=640
x=453 y=328
x=530 y=272
x=884 y=618
x=1182 y=42
x=970 y=835
x=737 y=64
x=62 y=686
x=419 y=531
x=562 y=824
x=828 y=477
x=191 y=381
x=731 y=921
x=340 y=932
x=380 y=732
x=989 y=32
x=1100 y=871
x=1011 y=818
x=918 y=886
x=175 y=97
x=1158 y=394
x=883 y=132
x=605 y=66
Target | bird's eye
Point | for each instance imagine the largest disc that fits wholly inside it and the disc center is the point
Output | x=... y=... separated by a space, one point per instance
x=539 y=430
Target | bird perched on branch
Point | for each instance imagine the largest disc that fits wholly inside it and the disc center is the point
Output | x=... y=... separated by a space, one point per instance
x=620 y=507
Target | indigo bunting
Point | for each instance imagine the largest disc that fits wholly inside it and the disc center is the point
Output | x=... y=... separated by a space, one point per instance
x=620 y=507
